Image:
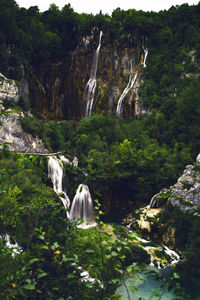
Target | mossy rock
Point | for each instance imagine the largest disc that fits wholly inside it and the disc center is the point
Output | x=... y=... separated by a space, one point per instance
x=135 y=253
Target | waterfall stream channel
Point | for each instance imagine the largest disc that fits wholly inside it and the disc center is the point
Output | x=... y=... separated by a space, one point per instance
x=82 y=208
x=82 y=205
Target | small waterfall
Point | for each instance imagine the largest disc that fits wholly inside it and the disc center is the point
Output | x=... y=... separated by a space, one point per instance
x=82 y=207
x=55 y=172
x=173 y=255
x=175 y=258
x=16 y=249
x=152 y=201
x=129 y=86
x=92 y=82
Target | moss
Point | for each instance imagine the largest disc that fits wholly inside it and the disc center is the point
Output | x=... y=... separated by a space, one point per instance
x=135 y=253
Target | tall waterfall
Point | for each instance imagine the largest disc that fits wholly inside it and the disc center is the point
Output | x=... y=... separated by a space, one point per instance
x=131 y=82
x=92 y=82
x=145 y=54
x=55 y=172
x=129 y=86
x=82 y=207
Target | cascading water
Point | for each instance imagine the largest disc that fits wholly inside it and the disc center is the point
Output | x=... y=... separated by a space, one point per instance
x=82 y=207
x=145 y=54
x=174 y=257
x=152 y=201
x=55 y=172
x=129 y=86
x=172 y=254
x=145 y=57
x=92 y=82
x=16 y=249
x=131 y=82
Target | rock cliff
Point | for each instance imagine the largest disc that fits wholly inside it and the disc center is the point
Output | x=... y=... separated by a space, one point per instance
x=186 y=192
x=12 y=132
x=8 y=90
x=58 y=92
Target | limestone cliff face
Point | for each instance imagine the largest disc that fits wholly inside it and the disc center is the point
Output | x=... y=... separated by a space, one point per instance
x=20 y=141
x=186 y=192
x=187 y=187
x=8 y=90
x=59 y=90
x=117 y=58
x=47 y=90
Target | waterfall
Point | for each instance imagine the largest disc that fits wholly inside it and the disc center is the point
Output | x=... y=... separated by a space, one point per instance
x=82 y=207
x=175 y=258
x=145 y=54
x=55 y=172
x=92 y=82
x=173 y=255
x=129 y=86
x=131 y=82
x=16 y=249
x=145 y=57
x=152 y=201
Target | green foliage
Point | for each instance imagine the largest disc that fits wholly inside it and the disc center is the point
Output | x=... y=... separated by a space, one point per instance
x=56 y=136
x=52 y=253
x=126 y=159
x=186 y=225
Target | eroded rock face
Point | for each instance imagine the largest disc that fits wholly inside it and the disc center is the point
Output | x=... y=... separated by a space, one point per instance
x=186 y=192
x=117 y=59
x=187 y=187
x=12 y=132
x=8 y=89
x=59 y=91
x=23 y=88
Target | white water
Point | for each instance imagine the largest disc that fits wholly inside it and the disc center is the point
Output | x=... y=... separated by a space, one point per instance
x=55 y=172
x=16 y=249
x=82 y=207
x=175 y=258
x=145 y=55
x=152 y=201
x=173 y=255
x=92 y=82
x=129 y=86
x=131 y=83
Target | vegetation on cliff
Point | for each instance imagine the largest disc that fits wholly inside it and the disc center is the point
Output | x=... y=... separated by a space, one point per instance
x=41 y=47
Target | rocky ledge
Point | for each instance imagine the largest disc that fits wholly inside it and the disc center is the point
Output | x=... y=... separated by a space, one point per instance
x=12 y=132
x=186 y=192
x=8 y=89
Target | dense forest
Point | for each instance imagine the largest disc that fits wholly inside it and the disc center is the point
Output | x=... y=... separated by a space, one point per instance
x=124 y=161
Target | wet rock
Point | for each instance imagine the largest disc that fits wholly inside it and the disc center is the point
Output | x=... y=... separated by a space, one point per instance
x=59 y=90
x=146 y=217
